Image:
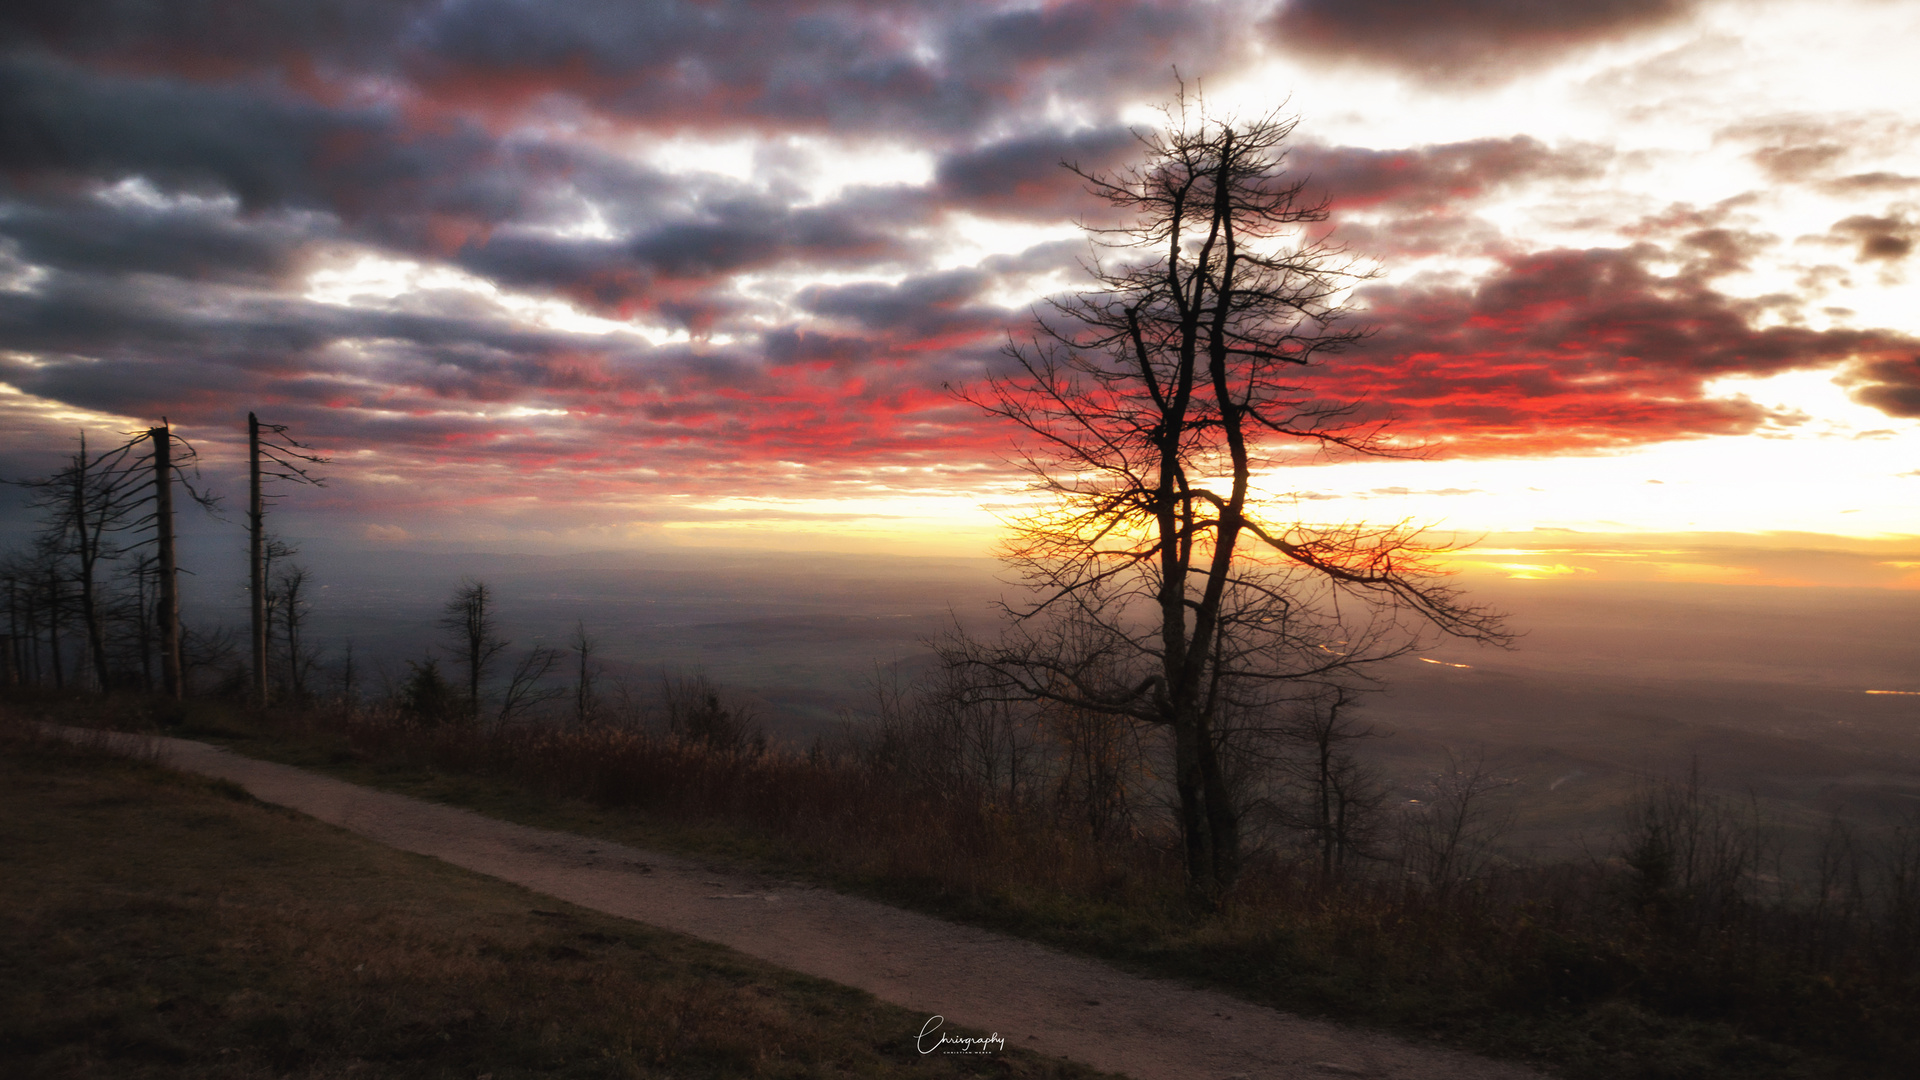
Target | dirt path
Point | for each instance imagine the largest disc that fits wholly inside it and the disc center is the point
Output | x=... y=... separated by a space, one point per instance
x=1030 y=995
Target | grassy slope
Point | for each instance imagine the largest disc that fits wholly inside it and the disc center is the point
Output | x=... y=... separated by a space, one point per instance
x=1312 y=967
x=157 y=926
x=1318 y=962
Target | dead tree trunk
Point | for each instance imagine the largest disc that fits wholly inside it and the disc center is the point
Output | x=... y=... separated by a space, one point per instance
x=293 y=584
x=14 y=666
x=31 y=605
x=144 y=618
x=173 y=682
x=256 y=556
x=87 y=548
x=54 y=599
x=272 y=454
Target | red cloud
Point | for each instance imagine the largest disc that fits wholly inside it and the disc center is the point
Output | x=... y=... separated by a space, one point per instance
x=370 y=129
x=1565 y=351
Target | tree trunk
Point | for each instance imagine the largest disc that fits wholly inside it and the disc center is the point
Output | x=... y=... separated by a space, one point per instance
x=293 y=583
x=1323 y=779
x=256 y=564
x=53 y=630
x=16 y=668
x=347 y=673
x=1223 y=819
x=143 y=592
x=35 y=673
x=171 y=668
x=1201 y=890
x=88 y=550
x=473 y=683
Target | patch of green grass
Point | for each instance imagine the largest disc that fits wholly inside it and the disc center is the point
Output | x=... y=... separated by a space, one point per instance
x=159 y=926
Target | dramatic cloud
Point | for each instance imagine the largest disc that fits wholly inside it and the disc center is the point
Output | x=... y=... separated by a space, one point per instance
x=1885 y=239
x=1464 y=41
x=1578 y=350
x=657 y=63
x=1033 y=175
x=1427 y=177
x=1891 y=385
x=586 y=249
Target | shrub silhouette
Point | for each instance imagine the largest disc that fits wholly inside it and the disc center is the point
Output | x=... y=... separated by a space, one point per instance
x=428 y=698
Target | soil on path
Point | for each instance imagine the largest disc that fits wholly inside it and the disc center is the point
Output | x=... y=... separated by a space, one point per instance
x=1028 y=994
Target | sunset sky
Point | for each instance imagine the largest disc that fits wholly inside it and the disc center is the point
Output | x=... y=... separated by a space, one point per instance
x=611 y=273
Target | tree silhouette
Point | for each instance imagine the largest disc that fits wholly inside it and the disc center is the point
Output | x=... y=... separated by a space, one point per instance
x=1164 y=588
x=84 y=508
x=101 y=507
x=272 y=455
x=586 y=671
x=169 y=457
x=468 y=619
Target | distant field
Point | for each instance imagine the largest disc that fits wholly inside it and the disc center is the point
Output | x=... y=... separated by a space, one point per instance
x=802 y=635
x=1609 y=683
x=1763 y=687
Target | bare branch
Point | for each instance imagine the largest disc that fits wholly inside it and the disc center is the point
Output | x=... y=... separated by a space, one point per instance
x=1143 y=409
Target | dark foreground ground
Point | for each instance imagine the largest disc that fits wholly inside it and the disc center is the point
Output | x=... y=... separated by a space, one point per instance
x=153 y=925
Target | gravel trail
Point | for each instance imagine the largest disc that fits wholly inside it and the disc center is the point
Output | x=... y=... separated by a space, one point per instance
x=1030 y=995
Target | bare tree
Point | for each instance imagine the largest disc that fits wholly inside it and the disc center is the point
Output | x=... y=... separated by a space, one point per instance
x=272 y=552
x=1146 y=408
x=271 y=455
x=1101 y=768
x=16 y=652
x=1895 y=868
x=1837 y=885
x=169 y=460
x=172 y=662
x=291 y=588
x=1452 y=835
x=36 y=593
x=84 y=507
x=468 y=619
x=526 y=685
x=1693 y=852
x=349 y=680
x=211 y=661
x=1336 y=797
x=949 y=729
x=586 y=671
x=127 y=609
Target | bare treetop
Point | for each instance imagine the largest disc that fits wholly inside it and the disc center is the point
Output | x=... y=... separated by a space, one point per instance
x=1166 y=588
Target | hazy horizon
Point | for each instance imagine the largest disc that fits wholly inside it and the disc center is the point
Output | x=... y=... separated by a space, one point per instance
x=1610 y=683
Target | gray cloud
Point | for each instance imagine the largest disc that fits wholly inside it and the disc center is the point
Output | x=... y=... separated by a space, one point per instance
x=1879 y=238
x=1460 y=41
x=259 y=141
x=922 y=306
x=1437 y=175
x=1890 y=385
x=194 y=243
x=936 y=68
x=1026 y=176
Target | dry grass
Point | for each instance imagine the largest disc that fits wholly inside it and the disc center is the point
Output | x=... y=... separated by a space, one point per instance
x=1576 y=966
x=157 y=926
